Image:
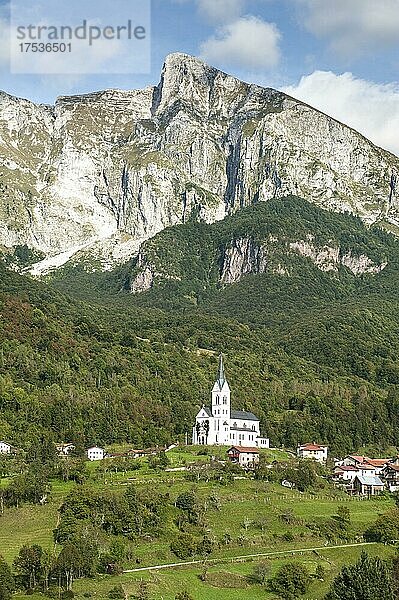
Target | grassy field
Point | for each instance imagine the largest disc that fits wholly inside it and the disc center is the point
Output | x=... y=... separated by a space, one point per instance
x=252 y=514
x=165 y=584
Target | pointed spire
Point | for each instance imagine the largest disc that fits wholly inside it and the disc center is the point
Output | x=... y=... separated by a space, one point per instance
x=221 y=377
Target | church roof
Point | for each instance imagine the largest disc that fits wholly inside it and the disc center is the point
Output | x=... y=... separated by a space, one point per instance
x=208 y=411
x=242 y=414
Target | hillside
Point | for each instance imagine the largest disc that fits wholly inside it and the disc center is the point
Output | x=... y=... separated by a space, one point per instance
x=313 y=352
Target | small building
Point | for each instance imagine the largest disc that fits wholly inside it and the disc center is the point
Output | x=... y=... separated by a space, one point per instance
x=390 y=475
x=146 y=452
x=64 y=449
x=377 y=463
x=245 y=456
x=367 y=485
x=345 y=473
x=95 y=453
x=315 y=451
x=5 y=448
x=353 y=459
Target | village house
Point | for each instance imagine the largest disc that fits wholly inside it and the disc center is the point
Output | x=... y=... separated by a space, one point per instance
x=390 y=474
x=354 y=460
x=355 y=466
x=366 y=476
x=315 y=451
x=95 y=453
x=377 y=463
x=345 y=473
x=220 y=425
x=5 y=448
x=244 y=456
x=367 y=485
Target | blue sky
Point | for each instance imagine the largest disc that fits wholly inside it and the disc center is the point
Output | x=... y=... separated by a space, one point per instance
x=342 y=56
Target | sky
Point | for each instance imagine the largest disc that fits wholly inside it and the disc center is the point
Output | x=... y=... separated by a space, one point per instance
x=341 y=56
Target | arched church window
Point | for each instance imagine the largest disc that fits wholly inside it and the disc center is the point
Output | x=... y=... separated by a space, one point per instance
x=217 y=399
x=224 y=399
x=235 y=425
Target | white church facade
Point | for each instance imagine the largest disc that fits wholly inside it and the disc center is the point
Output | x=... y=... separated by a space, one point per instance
x=220 y=425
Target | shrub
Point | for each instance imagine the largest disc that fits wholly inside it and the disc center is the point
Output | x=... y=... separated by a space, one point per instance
x=184 y=546
x=385 y=529
x=117 y=592
x=260 y=573
x=290 y=581
x=183 y=596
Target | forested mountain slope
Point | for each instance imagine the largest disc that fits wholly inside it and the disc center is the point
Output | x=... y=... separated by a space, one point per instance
x=312 y=351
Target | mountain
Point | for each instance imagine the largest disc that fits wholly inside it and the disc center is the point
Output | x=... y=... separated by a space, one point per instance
x=95 y=176
x=200 y=216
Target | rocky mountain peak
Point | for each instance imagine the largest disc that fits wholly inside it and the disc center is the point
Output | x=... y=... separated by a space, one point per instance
x=189 y=82
x=101 y=173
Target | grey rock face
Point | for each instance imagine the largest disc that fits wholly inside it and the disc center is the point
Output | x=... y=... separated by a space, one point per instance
x=109 y=170
x=244 y=256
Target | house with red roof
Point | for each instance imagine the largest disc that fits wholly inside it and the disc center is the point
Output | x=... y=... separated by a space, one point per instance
x=344 y=473
x=354 y=459
x=245 y=456
x=377 y=463
x=314 y=451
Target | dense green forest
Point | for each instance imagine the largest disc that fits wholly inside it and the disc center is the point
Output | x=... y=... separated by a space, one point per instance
x=314 y=353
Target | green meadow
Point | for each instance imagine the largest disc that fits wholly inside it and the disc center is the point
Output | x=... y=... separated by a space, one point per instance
x=252 y=517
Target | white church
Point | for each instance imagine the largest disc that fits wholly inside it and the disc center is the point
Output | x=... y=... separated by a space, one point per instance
x=220 y=425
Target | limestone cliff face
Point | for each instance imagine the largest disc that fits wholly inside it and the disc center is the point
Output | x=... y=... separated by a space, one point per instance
x=331 y=257
x=106 y=171
x=245 y=256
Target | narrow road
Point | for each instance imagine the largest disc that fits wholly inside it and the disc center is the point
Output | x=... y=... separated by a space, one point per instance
x=244 y=556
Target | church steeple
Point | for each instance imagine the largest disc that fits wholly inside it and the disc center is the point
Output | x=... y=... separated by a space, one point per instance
x=221 y=406
x=221 y=378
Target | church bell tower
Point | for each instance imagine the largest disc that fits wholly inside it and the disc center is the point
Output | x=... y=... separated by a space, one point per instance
x=221 y=406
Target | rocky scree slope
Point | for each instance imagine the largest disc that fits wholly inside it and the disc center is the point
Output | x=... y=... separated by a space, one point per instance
x=96 y=175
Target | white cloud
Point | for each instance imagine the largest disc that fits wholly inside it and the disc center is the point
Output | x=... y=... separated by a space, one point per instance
x=353 y=27
x=218 y=11
x=370 y=108
x=221 y=11
x=247 y=43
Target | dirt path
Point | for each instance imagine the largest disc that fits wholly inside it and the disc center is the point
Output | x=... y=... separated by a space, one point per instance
x=245 y=556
